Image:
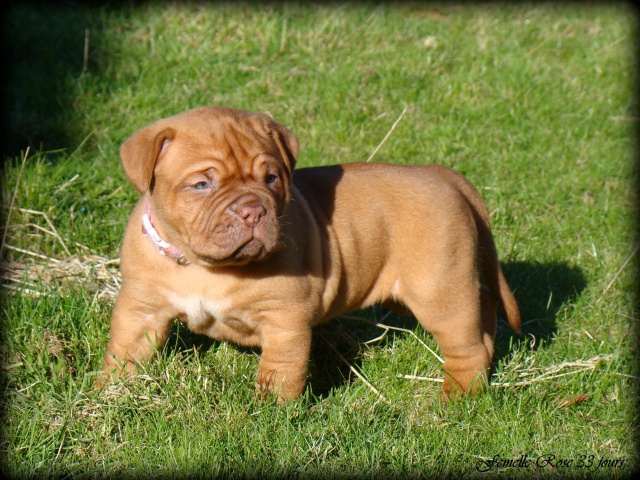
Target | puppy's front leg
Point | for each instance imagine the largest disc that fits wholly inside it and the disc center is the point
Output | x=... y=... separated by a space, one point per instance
x=284 y=362
x=138 y=330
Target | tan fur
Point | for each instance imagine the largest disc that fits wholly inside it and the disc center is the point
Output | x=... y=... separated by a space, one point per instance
x=271 y=257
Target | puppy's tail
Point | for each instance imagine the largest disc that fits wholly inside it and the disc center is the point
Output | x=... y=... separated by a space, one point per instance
x=507 y=299
x=491 y=270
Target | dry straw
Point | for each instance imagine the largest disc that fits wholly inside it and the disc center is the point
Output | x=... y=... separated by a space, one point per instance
x=37 y=274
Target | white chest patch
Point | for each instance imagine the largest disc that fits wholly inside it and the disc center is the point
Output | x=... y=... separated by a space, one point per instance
x=199 y=310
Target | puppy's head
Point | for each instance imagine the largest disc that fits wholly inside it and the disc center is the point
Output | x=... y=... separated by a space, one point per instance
x=217 y=180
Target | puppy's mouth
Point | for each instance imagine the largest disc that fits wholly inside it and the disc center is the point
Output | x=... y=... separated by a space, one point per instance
x=253 y=250
x=238 y=244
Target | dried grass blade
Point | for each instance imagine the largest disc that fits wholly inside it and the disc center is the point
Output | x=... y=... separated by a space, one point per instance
x=33 y=254
x=615 y=277
x=50 y=223
x=389 y=327
x=388 y=134
x=355 y=372
x=13 y=199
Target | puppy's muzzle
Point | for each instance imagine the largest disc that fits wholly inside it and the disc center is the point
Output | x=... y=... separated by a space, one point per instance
x=246 y=230
x=250 y=210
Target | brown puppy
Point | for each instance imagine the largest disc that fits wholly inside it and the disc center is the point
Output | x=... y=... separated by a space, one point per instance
x=227 y=239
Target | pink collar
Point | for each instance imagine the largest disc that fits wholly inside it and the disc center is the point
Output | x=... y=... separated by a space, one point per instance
x=163 y=247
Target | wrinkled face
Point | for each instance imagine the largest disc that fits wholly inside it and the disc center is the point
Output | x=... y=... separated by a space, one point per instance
x=219 y=183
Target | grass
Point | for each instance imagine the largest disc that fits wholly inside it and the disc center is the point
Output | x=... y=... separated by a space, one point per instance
x=534 y=104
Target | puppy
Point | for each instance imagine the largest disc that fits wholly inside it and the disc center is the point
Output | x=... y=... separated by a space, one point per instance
x=230 y=240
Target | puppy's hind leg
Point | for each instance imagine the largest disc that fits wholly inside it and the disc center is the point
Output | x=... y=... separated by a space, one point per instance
x=488 y=305
x=456 y=323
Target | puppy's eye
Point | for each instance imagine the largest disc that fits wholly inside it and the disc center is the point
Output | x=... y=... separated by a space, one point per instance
x=201 y=185
x=270 y=179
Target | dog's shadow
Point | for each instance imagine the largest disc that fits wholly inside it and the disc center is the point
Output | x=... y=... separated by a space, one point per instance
x=543 y=291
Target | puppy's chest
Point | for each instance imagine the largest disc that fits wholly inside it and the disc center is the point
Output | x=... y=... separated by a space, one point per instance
x=216 y=318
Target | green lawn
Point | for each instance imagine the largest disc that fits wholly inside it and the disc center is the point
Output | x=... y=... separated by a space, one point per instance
x=534 y=104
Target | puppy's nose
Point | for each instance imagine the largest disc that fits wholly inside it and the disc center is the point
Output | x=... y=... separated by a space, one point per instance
x=251 y=212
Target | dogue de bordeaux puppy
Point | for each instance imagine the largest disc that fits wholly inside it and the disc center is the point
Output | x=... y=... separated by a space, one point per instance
x=229 y=239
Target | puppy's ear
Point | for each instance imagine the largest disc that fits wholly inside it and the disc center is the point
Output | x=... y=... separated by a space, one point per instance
x=287 y=144
x=140 y=153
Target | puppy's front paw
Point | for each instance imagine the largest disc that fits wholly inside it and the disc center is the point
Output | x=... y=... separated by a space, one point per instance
x=106 y=377
x=287 y=388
